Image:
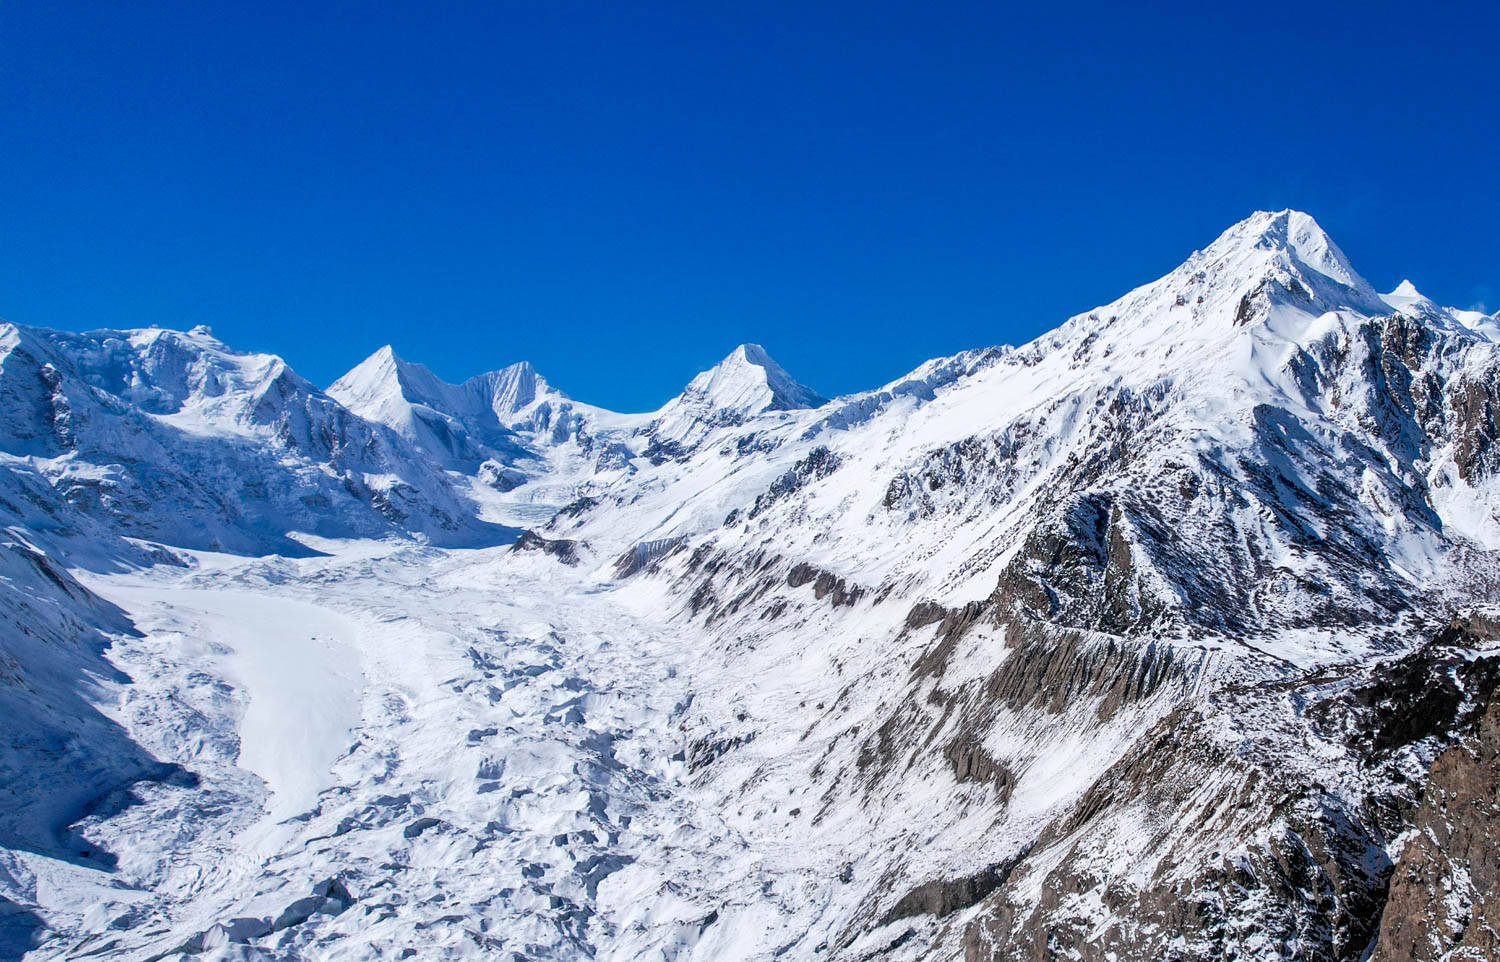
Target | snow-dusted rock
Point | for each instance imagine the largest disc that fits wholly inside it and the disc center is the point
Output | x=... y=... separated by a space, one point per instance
x=1139 y=641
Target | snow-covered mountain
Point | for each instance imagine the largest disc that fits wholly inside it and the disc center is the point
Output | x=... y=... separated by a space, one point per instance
x=458 y=425
x=1169 y=635
x=509 y=427
x=745 y=384
x=176 y=438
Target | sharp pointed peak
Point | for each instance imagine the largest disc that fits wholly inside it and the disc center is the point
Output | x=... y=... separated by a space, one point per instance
x=1291 y=234
x=748 y=353
x=384 y=356
x=510 y=373
x=751 y=352
x=519 y=371
x=749 y=380
x=509 y=389
x=384 y=373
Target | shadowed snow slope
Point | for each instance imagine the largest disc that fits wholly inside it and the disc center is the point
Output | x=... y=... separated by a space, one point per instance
x=177 y=438
x=460 y=425
x=1140 y=641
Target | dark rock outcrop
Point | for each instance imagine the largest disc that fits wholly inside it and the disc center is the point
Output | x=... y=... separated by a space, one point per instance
x=1241 y=849
x=643 y=555
x=1444 y=899
x=942 y=897
x=825 y=584
x=562 y=549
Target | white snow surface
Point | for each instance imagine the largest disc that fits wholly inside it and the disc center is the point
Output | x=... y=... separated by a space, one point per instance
x=291 y=647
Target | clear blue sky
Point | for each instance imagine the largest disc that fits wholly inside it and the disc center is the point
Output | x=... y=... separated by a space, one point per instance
x=621 y=192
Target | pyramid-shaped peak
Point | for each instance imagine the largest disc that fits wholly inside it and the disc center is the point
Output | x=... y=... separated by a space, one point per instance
x=1292 y=234
x=753 y=354
x=1408 y=299
x=383 y=358
x=748 y=381
x=382 y=373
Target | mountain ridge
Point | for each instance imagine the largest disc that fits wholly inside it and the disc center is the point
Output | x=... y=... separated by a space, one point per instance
x=1141 y=640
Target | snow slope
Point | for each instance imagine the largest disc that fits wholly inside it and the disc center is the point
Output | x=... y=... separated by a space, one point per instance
x=960 y=667
x=177 y=438
x=461 y=425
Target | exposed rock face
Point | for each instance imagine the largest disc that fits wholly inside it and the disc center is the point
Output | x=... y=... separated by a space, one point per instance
x=562 y=549
x=1445 y=892
x=825 y=584
x=1477 y=412
x=1259 y=826
x=945 y=896
x=643 y=555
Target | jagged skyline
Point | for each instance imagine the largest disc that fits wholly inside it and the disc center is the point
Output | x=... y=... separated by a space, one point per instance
x=621 y=196
x=965 y=665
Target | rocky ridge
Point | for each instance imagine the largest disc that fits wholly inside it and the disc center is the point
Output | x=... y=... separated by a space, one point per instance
x=1161 y=637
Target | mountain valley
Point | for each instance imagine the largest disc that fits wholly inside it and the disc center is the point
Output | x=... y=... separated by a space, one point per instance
x=1173 y=634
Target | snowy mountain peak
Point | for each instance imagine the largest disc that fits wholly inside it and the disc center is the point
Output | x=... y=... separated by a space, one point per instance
x=460 y=425
x=1276 y=269
x=1297 y=238
x=381 y=377
x=1408 y=300
x=381 y=364
x=512 y=388
x=384 y=375
x=748 y=381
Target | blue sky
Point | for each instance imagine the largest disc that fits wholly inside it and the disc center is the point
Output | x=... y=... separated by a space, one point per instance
x=620 y=193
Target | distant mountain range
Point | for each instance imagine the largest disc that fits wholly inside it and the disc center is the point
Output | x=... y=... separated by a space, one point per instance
x=1169 y=635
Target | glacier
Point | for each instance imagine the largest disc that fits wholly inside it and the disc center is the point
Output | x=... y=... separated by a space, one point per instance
x=1149 y=639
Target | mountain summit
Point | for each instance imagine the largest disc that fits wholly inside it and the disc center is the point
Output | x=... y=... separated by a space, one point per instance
x=462 y=425
x=749 y=382
x=1174 y=633
x=746 y=383
x=1296 y=235
x=384 y=377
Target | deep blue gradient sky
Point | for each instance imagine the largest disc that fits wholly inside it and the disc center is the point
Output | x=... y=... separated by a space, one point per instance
x=620 y=193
